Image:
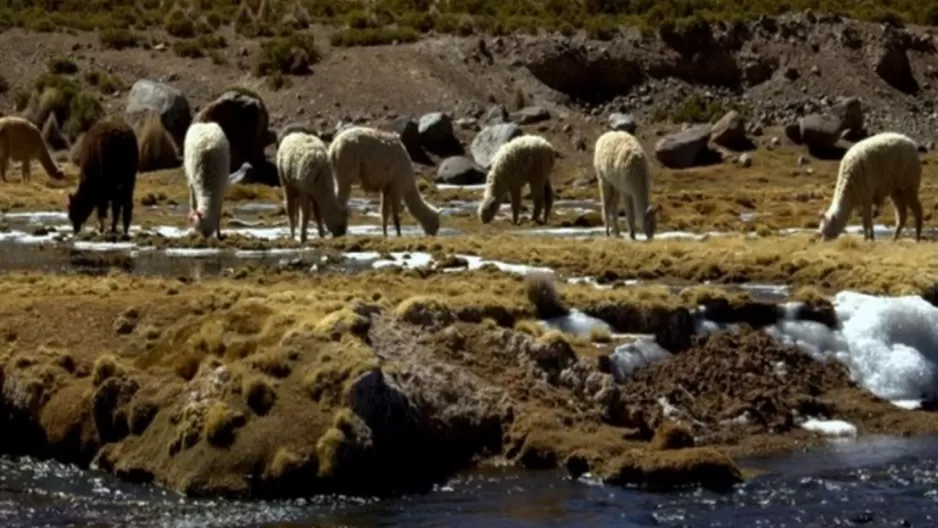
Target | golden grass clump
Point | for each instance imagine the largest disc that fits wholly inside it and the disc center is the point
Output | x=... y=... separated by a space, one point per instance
x=221 y=421
x=673 y=469
x=259 y=394
x=340 y=444
x=106 y=366
x=530 y=327
x=672 y=435
x=333 y=369
x=543 y=294
x=343 y=321
x=425 y=310
x=158 y=150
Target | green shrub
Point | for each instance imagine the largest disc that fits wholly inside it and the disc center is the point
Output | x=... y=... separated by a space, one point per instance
x=180 y=27
x=72 y=106
x=291 y=55
x=103 y=81
x=62 y=65
x=188 y=48
x=373 y=36
x=118 y=39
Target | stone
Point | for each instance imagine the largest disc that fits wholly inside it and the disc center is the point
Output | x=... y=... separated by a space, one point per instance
x=459 y=170
x=489 y=140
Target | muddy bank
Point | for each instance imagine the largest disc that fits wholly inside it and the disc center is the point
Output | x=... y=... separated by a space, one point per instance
x=287 y=388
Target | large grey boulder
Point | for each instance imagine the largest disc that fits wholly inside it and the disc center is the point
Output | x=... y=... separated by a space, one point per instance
x=682 y=149
x=409 y=133
x=489 y=140
x=730 y=131
x=819 y=131
x=621 y=122
x=168 y=101
x=459 y=170
x=437 y=136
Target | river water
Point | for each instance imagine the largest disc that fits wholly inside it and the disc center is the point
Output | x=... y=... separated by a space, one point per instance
x=878 y=481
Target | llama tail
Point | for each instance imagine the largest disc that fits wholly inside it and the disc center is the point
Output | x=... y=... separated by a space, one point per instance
x=426 y=214
x=51 y=168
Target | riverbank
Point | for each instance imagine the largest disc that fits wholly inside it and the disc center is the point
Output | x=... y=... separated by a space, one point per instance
x=278 y=383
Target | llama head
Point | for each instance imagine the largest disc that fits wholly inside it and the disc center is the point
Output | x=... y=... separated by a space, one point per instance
x=650 y=221
x=825 y=226
x=78 y=210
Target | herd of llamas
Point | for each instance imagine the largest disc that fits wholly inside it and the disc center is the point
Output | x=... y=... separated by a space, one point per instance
x=316 y=179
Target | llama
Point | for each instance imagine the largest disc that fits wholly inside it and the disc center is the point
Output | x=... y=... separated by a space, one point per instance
x=107 y=159
x=206 y=161
x=21 y=140
x=378 y=161
x=622 y=169
x=883 y=165
x=525 y=160
x=306 y=177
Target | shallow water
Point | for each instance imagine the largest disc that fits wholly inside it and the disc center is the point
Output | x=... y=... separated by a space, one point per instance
x=879 y=481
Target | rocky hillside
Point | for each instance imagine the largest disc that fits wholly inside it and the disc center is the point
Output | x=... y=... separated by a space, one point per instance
x=854 y=76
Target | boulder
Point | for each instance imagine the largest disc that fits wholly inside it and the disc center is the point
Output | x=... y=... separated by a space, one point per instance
x=244 y=118
x=459 y=170
x=437 y=136
x=730 y=131
x=496 y=115
x=849 y=110
x=409 y=132
x=490 y=139
x=167 y=101
x=819 y=131
x=530 y=115
x=622 y=122
x=681 y=149
x=891 y=62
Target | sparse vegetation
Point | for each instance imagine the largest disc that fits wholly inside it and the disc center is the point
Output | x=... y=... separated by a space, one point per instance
x=288 y=55
x=694 y=109
x=62 y=66
x=117 y=39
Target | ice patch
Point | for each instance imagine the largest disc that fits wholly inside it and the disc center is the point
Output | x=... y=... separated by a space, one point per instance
x=417 y=259
x=630 y=356
x=890 y=344
x=834 y=428
x=577 y=322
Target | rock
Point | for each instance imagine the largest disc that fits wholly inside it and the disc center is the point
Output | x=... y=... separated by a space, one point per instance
x=489 y=140
x=496 y=115
x=622 y=122
x=849 y=110
x=730 y=131
x=530 y=115
x=891 y=62
x=437 y=136
x=819 y=131
x=409 y=132
x=169 y=102
x=245 y=120
x=459 y=170
x=681 y=149
x=792 y=132
x=745 y=160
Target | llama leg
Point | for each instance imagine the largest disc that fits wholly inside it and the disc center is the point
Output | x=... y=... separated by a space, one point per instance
x=609 y=199
x=26 y=170
x=630 y=219
x=537 y=196
x=396 y=212
x=318 y=216
x=102 y=214
x=548 y=199
x=916 y=206
x=385 y=211
x=514 y=194
x=116 y=206
x=867 y=212
x=3 y=166
x=898 y=201
x=290 y=205
x=304 y=214
x=128 y=210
